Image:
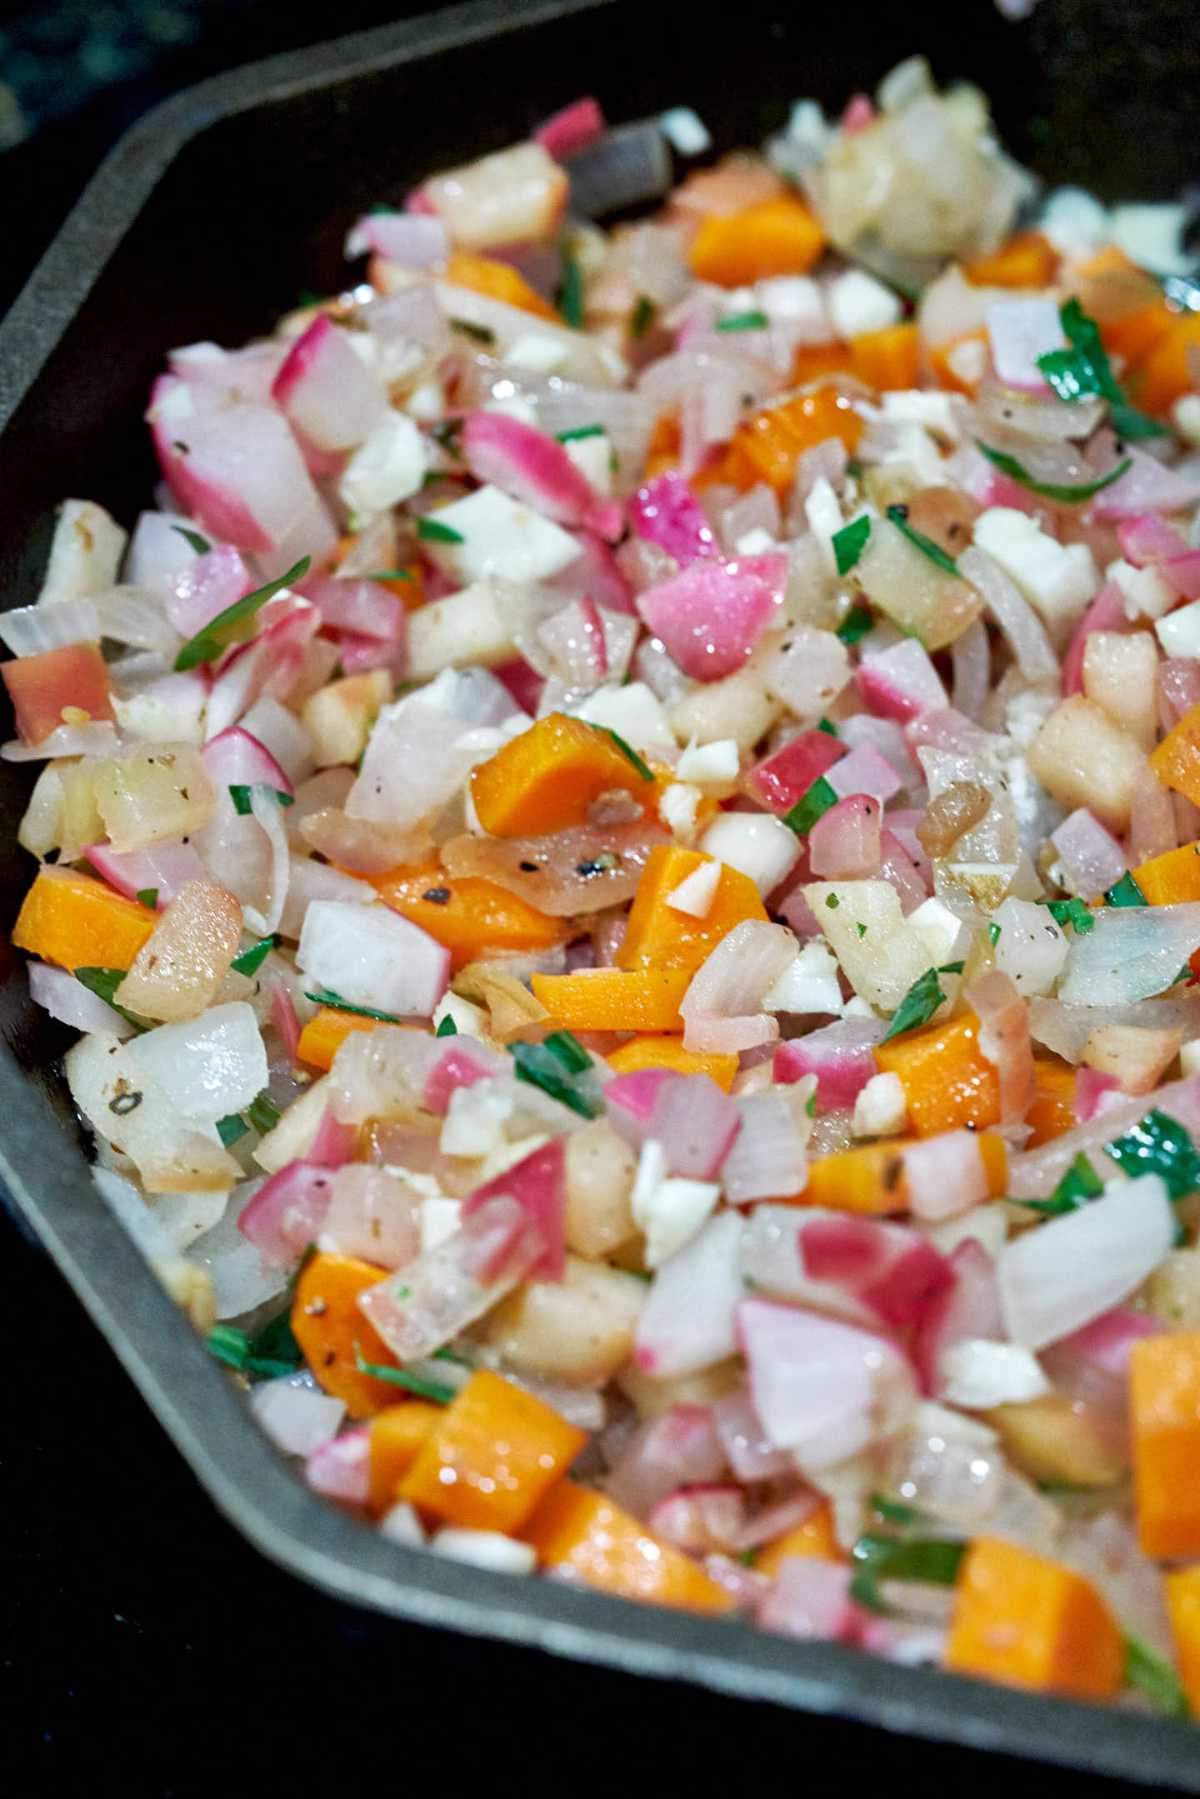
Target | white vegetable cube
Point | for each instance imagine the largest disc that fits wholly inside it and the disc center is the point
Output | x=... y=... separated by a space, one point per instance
x=938 y=927
x=1179 y=631
x=538 y=352
x=685 y=130
x=475 y=1120
x=1031 y=947
x=754 y=843
x=796 y=301
x=485 y=1549
x=209 y=1066
x=1057 y=579
x=809 y=985
x=881 y=1108
x=371 y=956
x=824 y=515
x=669 y=1211
x=593 y=457
x=857 y=303
x=935 y=412
x=439 y=1220
x=979 y=1374
x=1189 y=1057
x=677 y=807
x=387 y=467
x=755 y=542
x=85 y=553
x=634 y=712
x=400 y=1524
x=499 y=536
x=695 y=894
x=474 y=625
x=706 y=763
x=1146 y=593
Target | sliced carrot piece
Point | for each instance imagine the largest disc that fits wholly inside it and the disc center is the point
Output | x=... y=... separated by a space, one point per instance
x=1137 y=333
x=656 y=936
x=815 y=1537
x=1183 y=1607
x=327 y=1324
x=663 y=452
x=812 y=362
x=660 y=1051
x=497 y=281
x=1164 y=1417
x=394 y=1436
x=466 y=913
x=888 y=360
x=492 y=1456
x=583 y=1535
x=1052 y=1108
x=1172 y=877
x=545 y=779
x=74 y=677
x=1176 y=761
x=614 y=999
x=325 y=1032
x=79 y=922
x=942 y=362
x=1026 y=260
x=1026 y=1621
x=947 y=1080
x=768 y=445
x=775 y=237
x=1169 y=370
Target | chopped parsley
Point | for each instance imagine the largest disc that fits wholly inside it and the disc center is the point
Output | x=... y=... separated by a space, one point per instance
x=827 y=725
x=214 y=638
x=812 y=805
x=483 y=334
x=103 y=982
x=273 y=1352
x=193 y=539
x=1079 y=1184
x=570 y=293
x=252 y=959
x=448 y=433
x=148 y=897
x=389 y=574
x=932 y=551
x=433 y=532
x=1154 y=1677
x=993 y=934
x=849 y=544
x=553 y=1067
x=263 y=1114
x=895 y=1511
x=832 y=901
x=324 y=996
x=1159 y=1144
x=921 y=1001
x=1070 y=496
x=242 y=796
x=643 y=316
x=934 y=1561
x=857 y=622
x=627 y=750
x=1074 y=912
x=231 y=1128
x=1126 y=892
x=744 y=321
x=580 y=431
x=1084 y=371
x=400 y=1377
x=447 y=1028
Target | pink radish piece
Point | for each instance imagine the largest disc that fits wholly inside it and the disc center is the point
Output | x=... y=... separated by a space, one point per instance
x=326 y=389
x=901 y=682
x=531 y=466
x=676 y=1449
x=538 y=1184
x=711 y=614
x=163 y=867
x=782 y=779
x=286 y=1214
x=572 y=129
x=364 y=607
x=666 y=512
x=810 y=1599
x=844 y=844
x=208 y=586
x=461 y=1066
x=864 y=770
x=1106 y=613
x=341 y=1468
x=841 y=1056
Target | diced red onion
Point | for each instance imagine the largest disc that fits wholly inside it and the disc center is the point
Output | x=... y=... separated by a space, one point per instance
x=1106 y=613
x=207 y=586
x=863 y=771
x=1149 y=486
x=530 y=465
x=1035 y=1173
x=363 y=607
x=678 y=1448
x=463 y=1063
x=1070 y=1270
x=285 y=1019
x=901 y=682
x=538 y=1184
x=769 y=1158
x=334 y=1143
x=1147 y=541
x=840 y=1056
x=968 y=1308
x=1092 y=859
x=810 y=1599
x=844 y=844
x=782 y=779
x=572 y=129
x=823 y=1389
x=287 y=1212
x=687 y=1322
x=373 y=1214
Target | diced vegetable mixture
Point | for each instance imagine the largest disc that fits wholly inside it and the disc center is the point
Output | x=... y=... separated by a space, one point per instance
x=624 y=842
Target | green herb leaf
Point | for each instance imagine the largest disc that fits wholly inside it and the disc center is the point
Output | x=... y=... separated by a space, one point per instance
x=993 y=934
x=570 y=294
x=811 y=805
x=849 y=544
x=252 y=959
x=389 y=574
x=1160 y=1145
x=241 y=794
x=933 y=1560
x=231 y=1128
x=148 y=897
x=194 y=540
x=643 y=316
x=1074 y=912
x=1155 y=1678
x=1126 y=892
x=748 y=1557
x=1084 y=370
x=483 y=334
x=832 y=902
x=216 y=636
x=447 y=433
x=580 y=431
x=447 y=1028
x=103 y=982
x=1078 y=1185
x=1070 y=496
x=1132 y=425
x=744 y=321
x=232 y=1346
x=538 y=1064
x=324 y=996
x=399 y=1377
x=263 y=1114
x=429 y=529
x=934 y=551
x=627 y=750
x=857 y=622
x=895 y=1511
x=569 y=1050
x=918 y=1005
x=827 y=725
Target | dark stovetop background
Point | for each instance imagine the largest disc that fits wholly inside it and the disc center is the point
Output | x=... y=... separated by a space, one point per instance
x=144 y=1647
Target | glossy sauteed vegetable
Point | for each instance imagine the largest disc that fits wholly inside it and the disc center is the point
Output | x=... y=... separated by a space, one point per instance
x=623 y=842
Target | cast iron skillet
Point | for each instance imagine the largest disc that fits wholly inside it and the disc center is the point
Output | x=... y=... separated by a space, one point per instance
x=207 y=221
